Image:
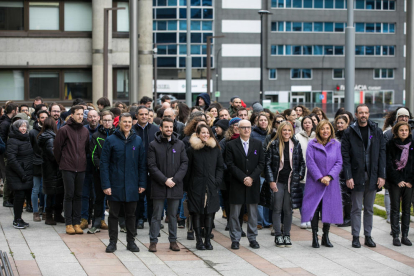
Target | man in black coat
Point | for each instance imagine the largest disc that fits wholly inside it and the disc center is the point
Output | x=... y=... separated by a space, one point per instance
x=167 y=164
x=245 y=162
x=178 y=126
x=147 y=132
x=364 y=161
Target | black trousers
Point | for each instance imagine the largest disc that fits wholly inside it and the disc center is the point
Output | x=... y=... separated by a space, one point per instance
x=98 y=206
x=73 y=182
x=395 y=194
x=140 y=211
x=54 y=203
x=114 y=209
x=19 y=197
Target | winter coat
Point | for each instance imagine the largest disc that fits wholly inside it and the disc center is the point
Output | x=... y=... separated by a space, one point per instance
x=71 y=146
x=52 y=176
x=273 y=165
x=147 y=134
x=206 y=99
x=304 y=139
x=5 y=123
x=345 y=191
x=355 y=156
x=323 y=161
x=259 y=134
x=37 y=152
x=2 y=147
x=394 y=154
x=179 y=129
x=97 y=142
x=19 y=154
x=186 y=141
x=204 y=175
x=241 y=166
x=60 y=123
x=167 y=159
x=297 y=127
x=123 y=166
x=89 y=164
x=226 y=174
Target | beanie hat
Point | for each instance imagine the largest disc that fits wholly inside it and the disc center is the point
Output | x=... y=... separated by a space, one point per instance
x=257 y=108
x=234 y=120
x=223 y=124
x=402 y=112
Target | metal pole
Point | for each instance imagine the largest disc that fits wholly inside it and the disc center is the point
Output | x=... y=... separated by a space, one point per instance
x=409 y=78
x=350 y=59
x=105 y=54
x=133 y=52
x=217 y=72
x=323 y=59
x=208 y=64
x=155 y=75
x=261 y=59
x=188 y=73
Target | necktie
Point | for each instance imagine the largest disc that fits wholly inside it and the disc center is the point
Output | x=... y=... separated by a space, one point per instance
x=245 y=147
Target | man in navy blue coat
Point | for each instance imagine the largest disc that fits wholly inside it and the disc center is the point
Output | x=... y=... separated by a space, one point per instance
x=123 y=168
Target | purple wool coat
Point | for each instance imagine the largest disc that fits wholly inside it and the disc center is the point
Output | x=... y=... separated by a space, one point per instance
x=322 y=161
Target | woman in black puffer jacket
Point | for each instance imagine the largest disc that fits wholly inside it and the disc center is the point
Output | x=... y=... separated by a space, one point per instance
x=52 y=176
x=19 y=172
x=284 y=168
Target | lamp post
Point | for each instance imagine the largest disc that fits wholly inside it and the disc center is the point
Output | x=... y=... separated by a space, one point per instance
x=106 y=50
x=209 y=62
x=323 y=59
x=350 y=59
x=262 y=51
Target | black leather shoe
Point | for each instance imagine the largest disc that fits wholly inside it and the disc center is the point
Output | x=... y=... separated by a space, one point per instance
x=140 y=224
x=315 y=241
x=235 y=245
x=7 y=204
x=396 y=241
x=190 y=236
x=243 y=234
x=111 y=248
x=345 y=224
x=131 y=246
x=355 y=242
x=369 y=242
x=29 y=209
x=254 y=245
x=406 y=241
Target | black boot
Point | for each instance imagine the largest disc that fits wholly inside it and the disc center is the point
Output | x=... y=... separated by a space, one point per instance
x=355 y=242
x=325 y=237
x=314 y=224
x=208 y=227
x=347 y=216
x=405 y=240
x=190 y=232
x=315 y=241
x=49 y=218
x=199 y=244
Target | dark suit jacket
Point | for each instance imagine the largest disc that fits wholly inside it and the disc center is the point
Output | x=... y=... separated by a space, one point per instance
x=240 y=166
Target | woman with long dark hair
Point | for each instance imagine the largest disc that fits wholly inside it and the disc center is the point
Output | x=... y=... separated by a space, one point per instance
x=291 y=116
x=203 y=179
x=320 y=113
x=52 y=176
x=183 y=112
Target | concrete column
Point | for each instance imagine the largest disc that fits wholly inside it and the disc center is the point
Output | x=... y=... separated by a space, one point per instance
x=97 y=49
x=145 y=49
x=409 y=77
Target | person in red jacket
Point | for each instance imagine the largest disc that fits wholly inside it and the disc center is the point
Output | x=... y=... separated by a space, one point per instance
x=70 y=148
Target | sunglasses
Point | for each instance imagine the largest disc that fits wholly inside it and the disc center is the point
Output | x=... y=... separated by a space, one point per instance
x=279 y=122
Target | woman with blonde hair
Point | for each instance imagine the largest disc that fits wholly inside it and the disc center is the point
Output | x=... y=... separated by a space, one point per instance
x=284 y=168
x=323 y=193
x=262 y=128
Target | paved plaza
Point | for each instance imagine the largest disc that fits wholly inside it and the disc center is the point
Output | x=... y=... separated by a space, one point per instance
x=46 y=250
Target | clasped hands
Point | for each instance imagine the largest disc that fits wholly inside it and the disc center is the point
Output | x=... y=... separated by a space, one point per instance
x=326 y=180
x=109 y=191
x=380 y=183
x=403 y=184
x=170 y=183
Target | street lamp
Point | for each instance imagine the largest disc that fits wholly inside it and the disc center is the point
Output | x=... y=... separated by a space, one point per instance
x=262 y=51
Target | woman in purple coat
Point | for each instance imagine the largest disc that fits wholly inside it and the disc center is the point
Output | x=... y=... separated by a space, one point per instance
x=322 y=191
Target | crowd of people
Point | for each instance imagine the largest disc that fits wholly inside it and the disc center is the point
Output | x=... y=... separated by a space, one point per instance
x=143 y=163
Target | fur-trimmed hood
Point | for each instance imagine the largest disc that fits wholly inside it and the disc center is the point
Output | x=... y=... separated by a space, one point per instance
x=197 y=144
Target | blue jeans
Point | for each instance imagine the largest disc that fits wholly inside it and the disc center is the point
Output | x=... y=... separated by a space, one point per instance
x=262 y=212
x=182 y=216
x=36 y=191
x=88 y=186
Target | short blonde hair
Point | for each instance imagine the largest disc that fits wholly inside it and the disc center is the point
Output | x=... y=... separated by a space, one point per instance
x=318 y=130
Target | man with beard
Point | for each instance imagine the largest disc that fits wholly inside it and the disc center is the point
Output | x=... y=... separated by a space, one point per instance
x=54 y=111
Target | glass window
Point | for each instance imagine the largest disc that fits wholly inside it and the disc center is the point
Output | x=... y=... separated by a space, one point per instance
x=162 y=2
x=44 y=16
x=167 y=62
x=307 y=50
x=172 y=25
x=280 y=50
x=288 y=3
x=183 y=13
x=122 y=18
x=328 y=50
x=328 y=27
x=182 y=61
x=12 y=85
x=377 y=73
x=377 y=50
x=44 y=84
x=297 y=26
x=318 y=4
x=317 y=50
x=392 y=28
x=11 y=16
x=196 y=62
x=172 y=49
x=307 y=26
x=207 y=13
x=390 y=73
x=392 y=5
x=329 y=4
x=183 y=38
x=369 y=27
x=183 y=25
x=370 y=5
x=162 y=25
x=196 y=38
x=295 y=73
x=378 y=27
x=338 y=73
x=280 y=26
x=205 y=35
x=369 y=50
x=359 y=50
x=122 y=77
x=207 y=3
x=195 y=50
x=162 y=49
x=307 y=3
x=360 y=4
x=195 y=3
x=195 y=25
x=385 y=50
x=297 y=50
x=166 y=13
x=392 y=50
x=288 y=50
x=339 y=4
x=297 y=3
x=172 y=2
x=274 y=26
x=183 y=49
x=78 y=84
x=360 y=27
x=166 y=38
x=196 y=13
x=318 y=27
x=378 y=4
x=385 y=27
x=339 y=50
x=154 y=25
x=183 y=2
x=272 y=74
x=288 y=26
x=339 y=27
x=306 y=73
x=273 y=50
x=280 y=3
x=385 y=4
x=207 y=25
x=383 y=73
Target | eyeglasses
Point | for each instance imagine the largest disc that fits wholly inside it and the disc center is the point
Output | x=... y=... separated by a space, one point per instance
x=167 y=116
x=55 y=111
x=279 y=122
x=107 y=121
x=245 y=128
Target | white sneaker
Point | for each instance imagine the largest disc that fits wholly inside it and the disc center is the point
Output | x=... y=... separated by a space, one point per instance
x=308 y=224
x=106 y=213
x=303 y=225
